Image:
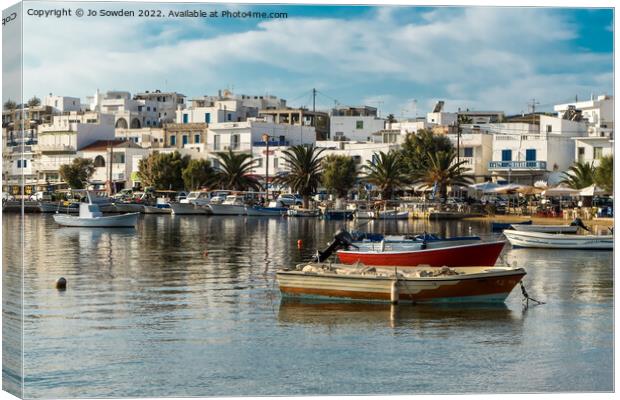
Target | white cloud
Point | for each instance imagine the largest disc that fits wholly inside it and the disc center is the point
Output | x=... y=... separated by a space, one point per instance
x=481 y=57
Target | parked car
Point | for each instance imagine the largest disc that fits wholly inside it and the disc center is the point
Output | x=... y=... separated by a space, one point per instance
x=290 y=199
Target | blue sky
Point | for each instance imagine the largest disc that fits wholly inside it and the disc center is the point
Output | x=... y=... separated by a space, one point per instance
x=399 y=58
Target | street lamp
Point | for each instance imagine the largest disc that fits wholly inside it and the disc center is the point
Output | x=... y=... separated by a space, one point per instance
x=266 y=140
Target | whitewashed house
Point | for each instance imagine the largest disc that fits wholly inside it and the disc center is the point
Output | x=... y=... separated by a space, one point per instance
x=59 y=141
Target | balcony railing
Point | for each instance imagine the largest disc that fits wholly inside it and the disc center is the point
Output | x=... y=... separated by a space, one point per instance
x=54 y=148
x=515 y=165
x=274 y=143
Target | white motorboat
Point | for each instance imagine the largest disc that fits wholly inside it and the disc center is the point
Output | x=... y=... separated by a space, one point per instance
x=546 y=228
x=559 y=241
x=158 y=209
x=90 y=216
x=187 y=209
x=232 y=205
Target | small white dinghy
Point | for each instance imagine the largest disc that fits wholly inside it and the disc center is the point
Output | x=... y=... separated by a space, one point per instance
x=90 y=216
x=559 y=241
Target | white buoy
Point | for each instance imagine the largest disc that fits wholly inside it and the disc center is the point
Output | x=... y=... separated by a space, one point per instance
x=394 y=292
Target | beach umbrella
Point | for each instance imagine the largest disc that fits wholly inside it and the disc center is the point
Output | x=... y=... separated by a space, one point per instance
x=529 y=190
x=486 y=187
x=560 y=190
x=591 y=190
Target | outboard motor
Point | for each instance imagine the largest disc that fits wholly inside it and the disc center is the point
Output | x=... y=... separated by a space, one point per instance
x=342 y=239
x=578 y=222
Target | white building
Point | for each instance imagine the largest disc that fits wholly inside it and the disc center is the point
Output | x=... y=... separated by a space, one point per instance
x=599 y=112
x=166 y=104
x=227 y=107
x=59 y=141
x=590 y=149
x=527 y=152
x=361 y=152
x=123 y=156
x=61 y=104
x=441 y=118
x=128 y=112
x=475 y=147
x=355 y=128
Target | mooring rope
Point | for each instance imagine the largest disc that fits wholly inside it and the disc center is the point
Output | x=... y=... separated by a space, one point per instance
x=527 y=298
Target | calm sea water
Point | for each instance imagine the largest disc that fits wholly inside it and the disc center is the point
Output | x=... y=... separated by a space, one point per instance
x=189 y=306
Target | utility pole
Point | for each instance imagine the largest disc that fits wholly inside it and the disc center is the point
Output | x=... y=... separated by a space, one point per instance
x=533 y=104
x=266 y=140
x=111 y=158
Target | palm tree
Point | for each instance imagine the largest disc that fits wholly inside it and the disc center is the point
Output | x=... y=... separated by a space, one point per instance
x=390 y=120
x=443 y=171
x=305 y=167
x=234 y=171
x=580 y=175
x=387 y=171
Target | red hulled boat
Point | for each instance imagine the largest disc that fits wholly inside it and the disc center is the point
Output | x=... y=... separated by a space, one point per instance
x=483 y=254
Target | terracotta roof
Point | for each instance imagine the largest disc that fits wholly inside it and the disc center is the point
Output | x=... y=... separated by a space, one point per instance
x=101 y=145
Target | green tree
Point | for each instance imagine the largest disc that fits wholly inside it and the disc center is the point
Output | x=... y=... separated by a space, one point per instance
x=77 y=173
x=305 y=167
x=234 y=172
x=339 y=173
x=463 y=119
x=419 y=146
x=604 y=174
x=390 y=120
x=163 y=171
x=443 y=171
x=10 y=105
x=579 y=175
x=34 y=102
x=199 y=174
x=388 y=172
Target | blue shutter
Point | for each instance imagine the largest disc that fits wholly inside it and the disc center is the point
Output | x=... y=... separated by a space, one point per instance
x=207 y=117
x=530 y=155
x=506 y=155
x=185 y=118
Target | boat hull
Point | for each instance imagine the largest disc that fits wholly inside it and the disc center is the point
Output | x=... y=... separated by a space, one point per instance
x=227 y=209
x=393 y=215
x=484 y=254
x=303 y=213
x=186 y=209
x=482 y=287
x=546 y=228
x=338 y=215
x=156 y=210
x=114 y=221
x=265 y=211
x=559 y=241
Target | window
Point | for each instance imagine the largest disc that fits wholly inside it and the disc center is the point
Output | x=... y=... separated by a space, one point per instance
x=598 y=153
x=185 y=118
x=207 y=117
x=229 y=117
x=173 y=140
x=581 y=153
x=506 y=155
x=359 y=124
x=216 y=142
x=185 y=140
x=259 y=162
x=234 y=142
x=549 y=128
x=99 y=161
x=530 y=155
x=19 y=163
x=357 y=159
x=275 y=162
x=148 y=108
x=197 y=138
x=468 y=152
x=24 y=163
x=119 y=158
x=375 y=158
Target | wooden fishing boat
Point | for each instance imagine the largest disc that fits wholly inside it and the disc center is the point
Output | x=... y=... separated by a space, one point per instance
x=546 y=228
x=393 y=284
x=338 y=214
x=393 y=214
x=559 y=241
x=452 y=254
x=500 y=226
x=157 y=209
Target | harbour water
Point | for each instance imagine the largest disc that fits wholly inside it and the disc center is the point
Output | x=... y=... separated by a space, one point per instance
x=189 y=306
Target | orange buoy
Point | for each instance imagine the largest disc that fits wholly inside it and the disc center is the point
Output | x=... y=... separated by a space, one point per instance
x=299 y=244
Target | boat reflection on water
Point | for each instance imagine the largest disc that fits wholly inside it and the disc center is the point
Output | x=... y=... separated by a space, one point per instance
x=328 y=313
